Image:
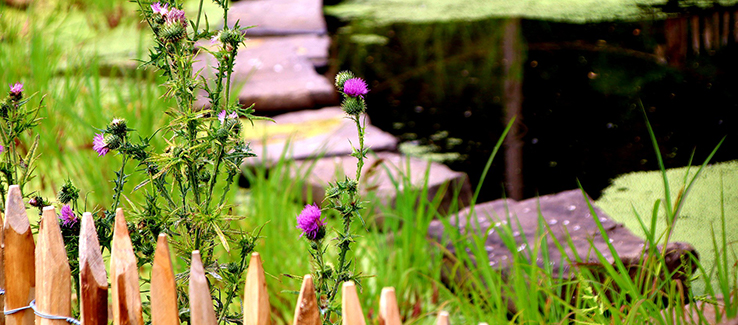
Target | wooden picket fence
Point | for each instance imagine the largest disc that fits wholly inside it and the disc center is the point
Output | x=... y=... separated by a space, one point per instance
x=41 y=271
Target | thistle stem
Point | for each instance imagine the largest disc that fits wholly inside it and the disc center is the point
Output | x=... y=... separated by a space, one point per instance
x=119 y=182
x=214 y=177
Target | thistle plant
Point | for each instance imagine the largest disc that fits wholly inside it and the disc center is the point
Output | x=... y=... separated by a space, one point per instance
x=17 y=118
x=186 y=185
x=343 y=197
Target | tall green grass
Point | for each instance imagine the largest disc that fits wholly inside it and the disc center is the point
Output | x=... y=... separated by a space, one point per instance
x=394 y=252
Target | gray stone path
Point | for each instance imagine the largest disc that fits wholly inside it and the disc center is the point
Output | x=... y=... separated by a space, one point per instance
x=276 y=69
x=279 y=17
x=278 y=73
x=568 y=216
x=379 y=172
x=325 y=132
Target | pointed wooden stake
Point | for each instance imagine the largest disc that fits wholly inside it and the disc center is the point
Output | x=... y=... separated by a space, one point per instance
x=124 y=276
x=93 y=296
x=19 y=259
x=201 y=304
x=352 y=313
x=256 y=309
x=442 y=318
x=164 y=310
x=54 y=285
x=2 y=269
x=389 y=313
x=306 y=311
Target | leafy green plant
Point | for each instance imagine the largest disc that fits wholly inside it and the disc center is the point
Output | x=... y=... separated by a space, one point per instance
x=343 y=197
x=186 y=186
x=16 y=119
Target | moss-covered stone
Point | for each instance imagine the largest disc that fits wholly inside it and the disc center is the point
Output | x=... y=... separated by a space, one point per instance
x=701 y=212
x=574 y=11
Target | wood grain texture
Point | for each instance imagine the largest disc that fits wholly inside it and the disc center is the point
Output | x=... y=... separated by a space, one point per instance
x=124 y=276
x=2 y=267
x=201 y=304
x=389 y=313
x=164 y=310
x=93 y=302
x=256 y=309
x=351 y=309
x=307 y=311
x=442 y=318
x=19 y=259
x=53 y=277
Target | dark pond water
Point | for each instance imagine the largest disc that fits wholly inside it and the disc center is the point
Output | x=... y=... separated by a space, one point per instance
x=440 y=84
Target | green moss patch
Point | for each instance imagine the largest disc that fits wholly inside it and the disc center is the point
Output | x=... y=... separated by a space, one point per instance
x=573 y=11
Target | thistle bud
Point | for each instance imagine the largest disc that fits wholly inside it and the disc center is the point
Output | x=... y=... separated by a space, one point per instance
x=113 y=141
x=118 y=127
x=68 y=193
x=230 y=37
x=36 y=202
x=16 y=92
x=342 y=77
x=353 y=105
x=173 y=33
x=332 y=192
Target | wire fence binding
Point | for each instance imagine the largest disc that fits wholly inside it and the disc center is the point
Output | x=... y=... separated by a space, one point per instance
x=32 y=305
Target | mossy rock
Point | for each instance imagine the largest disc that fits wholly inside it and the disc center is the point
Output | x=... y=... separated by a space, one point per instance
x=714 y=192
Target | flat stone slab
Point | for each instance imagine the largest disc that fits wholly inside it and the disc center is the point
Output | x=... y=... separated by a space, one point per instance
x=324 y=132
x=565 y=212
x=278 y=73
x=378 y=172
x=279 y=17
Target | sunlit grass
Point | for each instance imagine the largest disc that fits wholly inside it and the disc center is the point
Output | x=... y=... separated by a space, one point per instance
x=82 y=95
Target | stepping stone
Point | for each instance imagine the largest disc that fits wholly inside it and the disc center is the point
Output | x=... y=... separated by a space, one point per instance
x=279 y=17
x=378 y=172
x=564 y=212
x=311 y=133
x=278 y=73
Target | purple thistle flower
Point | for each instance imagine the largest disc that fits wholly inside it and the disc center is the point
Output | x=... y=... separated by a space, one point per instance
x=2 y=148
x=355 y=87
x=176 y=16
x=68 y=217
x=159 y=9
x=98 y=143
x=16 y=89
x=310 y=223
x=222 y=116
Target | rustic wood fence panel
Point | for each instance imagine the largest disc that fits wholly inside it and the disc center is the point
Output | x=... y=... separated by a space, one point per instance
x=704 y=32
x=40 y=272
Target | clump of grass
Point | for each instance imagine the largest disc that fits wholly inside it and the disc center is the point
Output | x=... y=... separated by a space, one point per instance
x=609 y=293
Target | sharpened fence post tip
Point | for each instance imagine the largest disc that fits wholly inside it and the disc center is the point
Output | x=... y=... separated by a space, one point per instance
x=442 y=318
x=19 y=259
x=93 y=297
x=307 y=311
x=389 y=313
x=256 y=310
x=352 y=313
x=164 y=310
